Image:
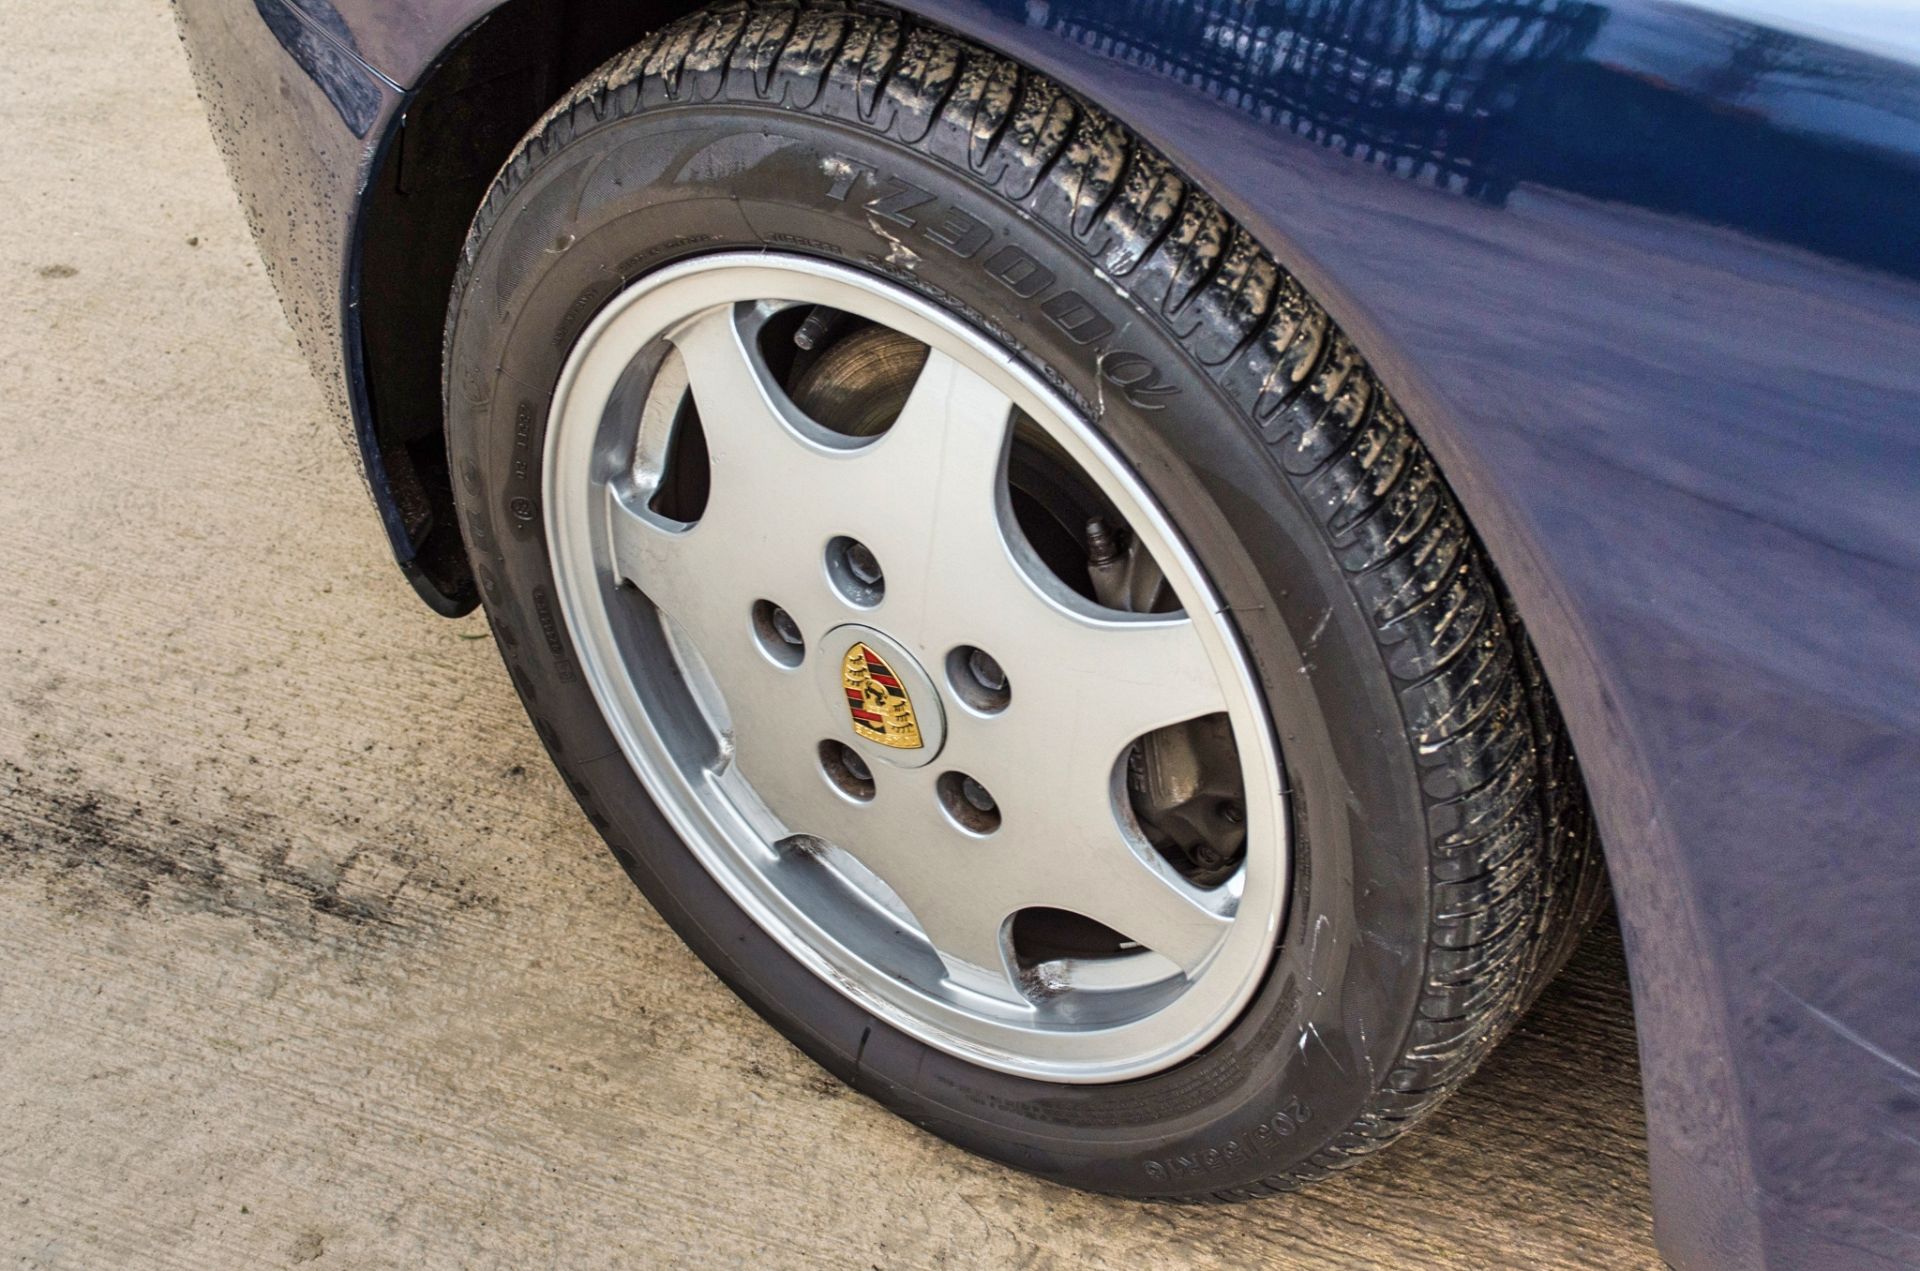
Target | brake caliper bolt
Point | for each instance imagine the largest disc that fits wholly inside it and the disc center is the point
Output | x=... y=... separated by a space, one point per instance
x=1102 y=547
x=986 y=671
x=813 y=331
x=976 y=794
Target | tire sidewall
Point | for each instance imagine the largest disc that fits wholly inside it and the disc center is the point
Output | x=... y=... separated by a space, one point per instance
x=569 y=229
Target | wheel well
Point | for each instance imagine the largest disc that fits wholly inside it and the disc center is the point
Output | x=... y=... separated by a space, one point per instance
x=460 y=123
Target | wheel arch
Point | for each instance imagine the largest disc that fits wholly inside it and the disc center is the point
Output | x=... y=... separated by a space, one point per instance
x=429 y=172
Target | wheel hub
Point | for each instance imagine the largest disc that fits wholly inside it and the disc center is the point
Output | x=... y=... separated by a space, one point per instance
x=882 y=699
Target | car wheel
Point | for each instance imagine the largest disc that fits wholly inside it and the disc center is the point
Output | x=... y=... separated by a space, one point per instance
x=994 y=614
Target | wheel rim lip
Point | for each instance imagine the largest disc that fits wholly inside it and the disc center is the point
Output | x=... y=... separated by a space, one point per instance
x=719 y=834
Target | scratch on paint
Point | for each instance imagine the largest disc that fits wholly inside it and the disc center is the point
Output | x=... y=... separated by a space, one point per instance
x=1848 y=1034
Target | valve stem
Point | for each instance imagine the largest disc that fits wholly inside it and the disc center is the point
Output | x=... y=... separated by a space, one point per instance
x=1106 y=565
x=813 y=331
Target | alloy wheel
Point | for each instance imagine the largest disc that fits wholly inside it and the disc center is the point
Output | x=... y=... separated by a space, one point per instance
x=916 y=666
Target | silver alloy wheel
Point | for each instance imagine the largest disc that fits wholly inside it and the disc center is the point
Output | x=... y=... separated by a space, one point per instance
x=887 y=888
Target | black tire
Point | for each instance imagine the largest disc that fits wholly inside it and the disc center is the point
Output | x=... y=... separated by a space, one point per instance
x=1443 y=859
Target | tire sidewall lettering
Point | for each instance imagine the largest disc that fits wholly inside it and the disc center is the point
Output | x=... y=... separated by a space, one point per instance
x=937 y=221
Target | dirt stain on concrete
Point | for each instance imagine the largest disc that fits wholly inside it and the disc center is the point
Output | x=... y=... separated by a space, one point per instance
x=96 y=851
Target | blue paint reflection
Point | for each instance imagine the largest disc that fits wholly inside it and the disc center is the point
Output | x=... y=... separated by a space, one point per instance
x=1662 y=107
x=1411 y=87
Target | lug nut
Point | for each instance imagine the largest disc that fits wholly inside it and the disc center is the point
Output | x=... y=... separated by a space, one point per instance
x=863 y=564
x=986 y=671
x=976 y=794
x=855 y=571
x=968 y=803
x=778 y=633
x=847 y=770
x=978 y=679
x=785 y=627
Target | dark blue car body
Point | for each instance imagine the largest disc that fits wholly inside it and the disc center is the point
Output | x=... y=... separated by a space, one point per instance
x=1646 y=276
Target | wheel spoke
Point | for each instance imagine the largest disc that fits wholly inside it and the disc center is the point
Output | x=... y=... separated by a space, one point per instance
x=924 y=496
x=1065 y=839
x=742 y=414
x=781 y=764
x=966 y=926
x=952 y=884
x=1083 y=690
x=1152 y=671
x=655 y=555
x=770 y=479
x=774 y=476
x=1147 y=902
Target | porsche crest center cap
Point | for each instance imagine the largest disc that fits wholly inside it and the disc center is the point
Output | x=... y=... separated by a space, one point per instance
x=887 y=704
x=877 y=701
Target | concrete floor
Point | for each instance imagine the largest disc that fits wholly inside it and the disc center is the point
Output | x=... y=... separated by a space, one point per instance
x=305 y=954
